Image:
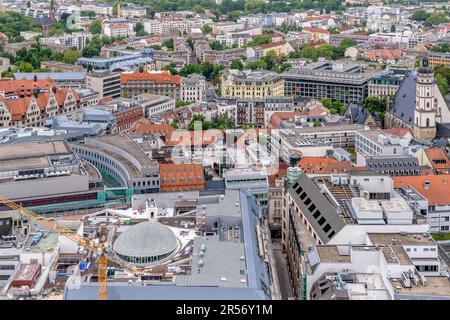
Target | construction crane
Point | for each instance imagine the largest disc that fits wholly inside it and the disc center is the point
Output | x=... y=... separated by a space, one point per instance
x=102 y=261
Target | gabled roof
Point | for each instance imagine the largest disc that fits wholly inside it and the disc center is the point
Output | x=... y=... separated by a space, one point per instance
x=144 y=126
x=16 y=86
x=323 y=165
x=438 y=189
x=324 y=212
x=404 y=102
x=162 y=77
x=359 y=114
x=435 y=154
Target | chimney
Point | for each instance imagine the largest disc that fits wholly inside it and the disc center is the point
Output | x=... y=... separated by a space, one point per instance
x=35 y=78
x=426 y=184
x=54 y=89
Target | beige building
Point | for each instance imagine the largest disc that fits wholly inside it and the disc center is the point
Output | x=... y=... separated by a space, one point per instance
x=249 y=84
x=276 y=206
x=439 y=58
x=106 y=83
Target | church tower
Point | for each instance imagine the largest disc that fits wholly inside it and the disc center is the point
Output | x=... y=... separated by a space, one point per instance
x=426 y=104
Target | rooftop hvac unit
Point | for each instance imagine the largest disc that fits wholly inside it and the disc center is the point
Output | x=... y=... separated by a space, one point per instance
x=200 y=263
x=335 y=179
x=344 y=179
x=383 y=139
x=406 y=281
x=423 y=280
x=393 y=140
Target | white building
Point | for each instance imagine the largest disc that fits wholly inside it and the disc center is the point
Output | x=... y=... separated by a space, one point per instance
x=152 y=26
x=118 y=27
x=377 y=143
x=153 y=104
x=76 y=39
x=131 y=11
x=193 y=88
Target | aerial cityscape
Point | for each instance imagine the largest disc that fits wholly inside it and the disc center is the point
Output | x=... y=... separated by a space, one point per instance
x=224 y=150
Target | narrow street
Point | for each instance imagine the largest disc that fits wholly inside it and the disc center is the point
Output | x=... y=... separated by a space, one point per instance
x=283 y=275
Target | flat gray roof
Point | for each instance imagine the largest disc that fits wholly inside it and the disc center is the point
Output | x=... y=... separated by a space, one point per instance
x=222 y=264
x=213 y=206
x=124 y=142
x=30 y=154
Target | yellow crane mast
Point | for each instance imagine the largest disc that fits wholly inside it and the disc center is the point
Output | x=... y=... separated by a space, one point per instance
x=70 y=234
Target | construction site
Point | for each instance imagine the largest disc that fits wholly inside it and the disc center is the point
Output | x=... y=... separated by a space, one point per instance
x=173 y=239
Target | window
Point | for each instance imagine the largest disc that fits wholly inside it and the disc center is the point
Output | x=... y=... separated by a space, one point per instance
x=322 y=221
x=316 y=214
x=327 y=228
x=312 y=207
x=307 y=201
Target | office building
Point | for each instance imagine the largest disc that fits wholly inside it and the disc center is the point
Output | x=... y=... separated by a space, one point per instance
x=134 y=83
x=106 y=83
x=344 y=82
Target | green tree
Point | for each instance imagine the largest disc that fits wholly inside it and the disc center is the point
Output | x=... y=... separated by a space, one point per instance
x=96 y=27
x=198 y=9
x=262 y=39
x=376 y=106
x=168 y=43
x=190 y=69
x=420 y=15
x=259 y=64
x=174 y=125
x=71 y=56
x=436 y=19
x=216 y=45
x=24 y=67
x=348 y=42
x=87 y=13
x=442 y=84
x=139 y=29
x=171 y=68
x=237 y=65
x=206 y=29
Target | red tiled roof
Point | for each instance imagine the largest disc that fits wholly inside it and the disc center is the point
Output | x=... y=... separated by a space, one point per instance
x=158 y=77
x=278 y=117
x=316 y=30
x=144 y=126
x=15 y=86
x=181 y=176
x=438 y=191
x=270 y=45
x=399 y=132
x=323 y=165
x=435 y=154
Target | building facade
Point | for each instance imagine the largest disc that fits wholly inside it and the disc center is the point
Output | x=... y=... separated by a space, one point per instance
x=134 y=83
x=251 y=84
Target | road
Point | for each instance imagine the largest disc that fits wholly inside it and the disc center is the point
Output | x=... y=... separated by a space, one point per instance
x=283 y=275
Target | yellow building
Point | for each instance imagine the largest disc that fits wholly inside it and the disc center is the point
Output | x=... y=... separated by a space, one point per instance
x=439 y=58
x=249 y=84
x=279 y=48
